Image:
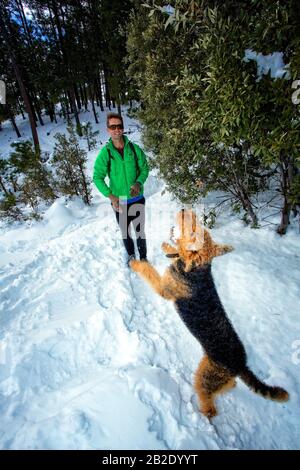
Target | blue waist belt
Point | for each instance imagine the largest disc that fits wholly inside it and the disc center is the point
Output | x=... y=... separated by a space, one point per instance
x=129 y=201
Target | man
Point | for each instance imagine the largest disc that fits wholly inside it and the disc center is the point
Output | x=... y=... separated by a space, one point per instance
x=126 y=166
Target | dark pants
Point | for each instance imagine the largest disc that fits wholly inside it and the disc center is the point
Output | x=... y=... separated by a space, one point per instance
x=133 y=213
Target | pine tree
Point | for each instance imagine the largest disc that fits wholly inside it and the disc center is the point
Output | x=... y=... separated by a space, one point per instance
x=69 y=161
x=25 y=181
x=33 y=181
x=89 y=135
x=9 y=209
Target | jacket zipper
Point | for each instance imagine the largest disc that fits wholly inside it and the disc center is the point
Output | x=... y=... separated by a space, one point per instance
x=123 y=163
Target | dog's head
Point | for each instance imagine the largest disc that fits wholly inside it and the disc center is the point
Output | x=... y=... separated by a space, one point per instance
x=194 y=243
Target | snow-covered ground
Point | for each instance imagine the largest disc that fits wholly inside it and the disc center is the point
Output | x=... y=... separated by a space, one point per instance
x=90 y=358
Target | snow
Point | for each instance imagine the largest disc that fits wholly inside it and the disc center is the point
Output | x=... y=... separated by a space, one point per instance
x=270 y=63
x=91 y=358
x=2 y=92
x=27 y=12
x=168 y=9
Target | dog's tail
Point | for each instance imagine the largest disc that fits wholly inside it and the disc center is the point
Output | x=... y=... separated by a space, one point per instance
x=267 y=391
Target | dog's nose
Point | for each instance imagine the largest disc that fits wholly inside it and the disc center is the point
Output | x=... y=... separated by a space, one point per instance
x=182 y=211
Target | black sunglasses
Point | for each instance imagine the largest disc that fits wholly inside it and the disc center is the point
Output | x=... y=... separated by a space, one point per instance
x=113 y=127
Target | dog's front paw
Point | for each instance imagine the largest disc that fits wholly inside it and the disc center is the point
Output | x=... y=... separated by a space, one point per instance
x=135 y=264
x=228 y=248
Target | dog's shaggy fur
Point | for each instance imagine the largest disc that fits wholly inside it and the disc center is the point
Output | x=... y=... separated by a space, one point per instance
x=189 y=283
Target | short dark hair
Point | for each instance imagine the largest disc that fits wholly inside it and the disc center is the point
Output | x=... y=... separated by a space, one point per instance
x=113 y=116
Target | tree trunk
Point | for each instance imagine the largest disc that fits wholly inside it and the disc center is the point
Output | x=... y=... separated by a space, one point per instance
x=14 y=183
x=54 y=114
x=38 y=110
x=82 y=97
x=119 y=106
x=100 y=94
x=20 y=107
x=21 y=111
x=73 y=103
x=12 y=120
x=18 y=73
x=77 y=97
x=107 y=93
x=285 y=217
x=286 y=180
x=50 y=112
x=85 y=98
x=67 y=109
x=33 y=110
x=48 y=105
x=93 y=105
x=63 y=108
x=86 y=197
x=70 y=101
x=249 y=209
x=3 y=187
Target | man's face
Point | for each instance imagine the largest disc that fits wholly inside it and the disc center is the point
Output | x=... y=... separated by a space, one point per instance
x=115 y=129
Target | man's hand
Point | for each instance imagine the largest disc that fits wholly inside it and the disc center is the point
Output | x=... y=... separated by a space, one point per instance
x=135 y=189
x=115 y=203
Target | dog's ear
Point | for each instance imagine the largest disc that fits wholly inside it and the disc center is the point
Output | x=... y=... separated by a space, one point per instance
x=220 y=250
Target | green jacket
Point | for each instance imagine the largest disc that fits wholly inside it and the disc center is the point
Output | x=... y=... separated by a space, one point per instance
x=123 y=172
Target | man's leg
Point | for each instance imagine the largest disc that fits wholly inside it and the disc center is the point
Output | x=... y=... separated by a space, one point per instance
x=136 y=214
x=123 y=222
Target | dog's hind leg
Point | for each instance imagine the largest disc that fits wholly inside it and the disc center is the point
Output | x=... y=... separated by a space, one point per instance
x=231 y=383
x=211 y=380
x=204 y=392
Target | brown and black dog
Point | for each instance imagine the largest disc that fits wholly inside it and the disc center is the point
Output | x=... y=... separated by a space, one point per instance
x=189 y=283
